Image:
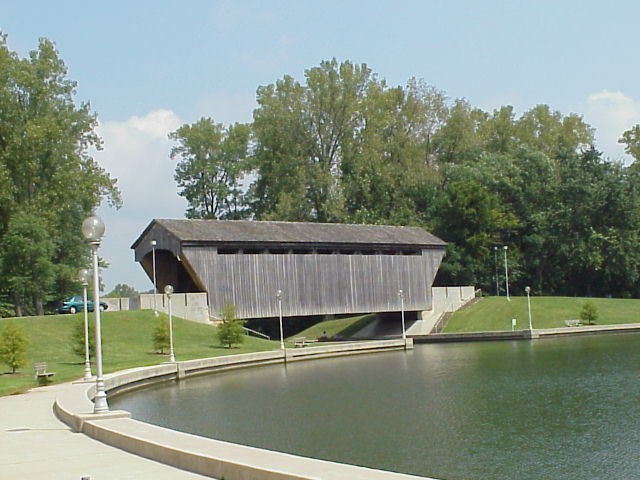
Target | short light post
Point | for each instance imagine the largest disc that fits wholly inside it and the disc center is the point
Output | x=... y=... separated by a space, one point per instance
x=506 y=272
x=495 y=264
x=401 y=295
x=168 y=290
x=155 y=285
x=279 y=297
x=528 y=290
x=93 y=230
x=83 y=276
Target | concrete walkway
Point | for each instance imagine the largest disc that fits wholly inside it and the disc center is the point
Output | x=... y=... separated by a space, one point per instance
x=35 y=444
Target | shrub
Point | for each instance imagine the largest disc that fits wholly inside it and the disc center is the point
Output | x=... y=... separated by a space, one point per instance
x=161 y=335
x=230 y=331
x=13 y=346
x=589 y=313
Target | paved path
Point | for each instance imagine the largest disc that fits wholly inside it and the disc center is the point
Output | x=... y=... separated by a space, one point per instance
x=34 y=444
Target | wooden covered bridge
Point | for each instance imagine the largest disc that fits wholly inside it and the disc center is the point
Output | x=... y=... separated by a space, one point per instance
x=320 y=268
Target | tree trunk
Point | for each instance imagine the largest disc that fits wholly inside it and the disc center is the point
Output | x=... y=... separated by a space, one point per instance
x=17 y=304
x=39 y=307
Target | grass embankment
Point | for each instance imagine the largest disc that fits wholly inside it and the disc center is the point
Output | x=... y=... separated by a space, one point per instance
x=338 y=328
x=127 y=342
x=495 y=313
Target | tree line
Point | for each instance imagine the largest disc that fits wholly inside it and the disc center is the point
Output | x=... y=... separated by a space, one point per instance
x=343 y=146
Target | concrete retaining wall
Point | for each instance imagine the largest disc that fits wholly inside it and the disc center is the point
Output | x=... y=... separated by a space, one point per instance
x=191 y=306
x=209 y=457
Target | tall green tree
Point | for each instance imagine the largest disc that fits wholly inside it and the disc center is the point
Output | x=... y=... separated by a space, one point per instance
x=45 y=162
x=212 y=162
x=302 y=134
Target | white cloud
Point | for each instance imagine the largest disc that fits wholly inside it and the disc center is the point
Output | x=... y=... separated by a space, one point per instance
x=136 y=152
x=611 y=113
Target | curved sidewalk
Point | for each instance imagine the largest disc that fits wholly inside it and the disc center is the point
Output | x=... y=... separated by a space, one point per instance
x=35 y=444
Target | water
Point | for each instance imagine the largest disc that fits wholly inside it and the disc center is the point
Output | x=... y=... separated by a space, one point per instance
x=550 y=409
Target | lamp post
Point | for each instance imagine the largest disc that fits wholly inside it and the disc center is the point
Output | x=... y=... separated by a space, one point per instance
x=528 y=290
x=401 y=295
x=279 y=297
x=93 y=230
x=168 y=290
x=495 y=264
x=506 y=272
x=83 y=276
x=155 y=285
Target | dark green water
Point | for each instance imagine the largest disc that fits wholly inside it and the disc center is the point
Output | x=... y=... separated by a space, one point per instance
x=550 y=409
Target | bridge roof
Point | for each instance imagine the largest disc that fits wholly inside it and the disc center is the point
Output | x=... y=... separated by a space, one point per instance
x=268 y=232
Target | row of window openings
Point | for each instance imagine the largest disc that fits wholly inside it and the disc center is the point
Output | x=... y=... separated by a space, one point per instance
x=319 y=251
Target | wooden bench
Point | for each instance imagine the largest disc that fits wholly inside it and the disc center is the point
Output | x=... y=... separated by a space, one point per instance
x=40 y=372
x=572 y=323
x=299 y=342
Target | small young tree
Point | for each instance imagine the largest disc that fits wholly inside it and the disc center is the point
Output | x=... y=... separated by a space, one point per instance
x=230 y=331
x=161 y=336
x=77 y=339
x=589 y=313
x=13 y=346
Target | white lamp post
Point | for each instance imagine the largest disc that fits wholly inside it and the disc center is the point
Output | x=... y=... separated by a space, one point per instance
x=401 y=295
x=528 y=290
x=169 y=291
x=279 y=297
x=506 y=272
x=83 y=276
x=155 y=285
x=93 y=230
x=495 y=263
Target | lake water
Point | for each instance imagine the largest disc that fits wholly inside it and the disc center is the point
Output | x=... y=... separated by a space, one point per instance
x=566 y=408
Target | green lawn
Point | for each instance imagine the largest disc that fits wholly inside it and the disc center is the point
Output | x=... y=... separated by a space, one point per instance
x=127 y=342
x=495 y=313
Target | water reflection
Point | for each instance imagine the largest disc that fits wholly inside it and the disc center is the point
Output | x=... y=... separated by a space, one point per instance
x=561 y=409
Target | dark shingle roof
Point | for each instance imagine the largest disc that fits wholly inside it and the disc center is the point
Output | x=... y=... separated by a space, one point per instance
x=245 y=231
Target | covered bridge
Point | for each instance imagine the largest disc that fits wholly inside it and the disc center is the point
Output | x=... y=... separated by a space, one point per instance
x=320 y=268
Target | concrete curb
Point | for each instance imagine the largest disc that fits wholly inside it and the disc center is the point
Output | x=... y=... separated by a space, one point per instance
x=204 y=456
x=526 y=334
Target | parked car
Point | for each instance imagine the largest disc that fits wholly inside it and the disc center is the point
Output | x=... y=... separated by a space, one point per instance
x=75 y=304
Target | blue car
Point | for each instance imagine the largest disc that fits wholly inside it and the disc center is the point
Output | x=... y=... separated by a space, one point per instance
x=75 y=304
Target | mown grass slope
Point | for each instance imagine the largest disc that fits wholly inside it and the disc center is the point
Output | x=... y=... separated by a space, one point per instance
x=495 y=313
x=127 y=342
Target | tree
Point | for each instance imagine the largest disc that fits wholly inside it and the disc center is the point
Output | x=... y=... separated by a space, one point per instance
x=161 y=335
x=303 y=133
x=77 y=338
x=45 y=143
x=230 y=331
x=13 y=346
x=631 y=140
x=122 y=290
x=212 y=162
x=589 y=313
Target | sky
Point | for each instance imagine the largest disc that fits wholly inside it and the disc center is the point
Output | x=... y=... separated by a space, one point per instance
x=149 y=66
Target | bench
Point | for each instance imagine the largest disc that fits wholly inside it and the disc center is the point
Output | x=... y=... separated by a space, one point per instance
x=41 y=374
x=572 y=323
x=299 y=342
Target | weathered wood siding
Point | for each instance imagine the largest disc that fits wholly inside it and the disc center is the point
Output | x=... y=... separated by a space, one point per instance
x=314 y=284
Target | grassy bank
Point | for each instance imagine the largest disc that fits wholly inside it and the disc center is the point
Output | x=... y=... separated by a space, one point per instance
x=495 y=313
x=127 y=343
x=338 y=328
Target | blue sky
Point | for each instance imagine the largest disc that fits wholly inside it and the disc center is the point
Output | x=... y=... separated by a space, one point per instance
x=148 y=67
